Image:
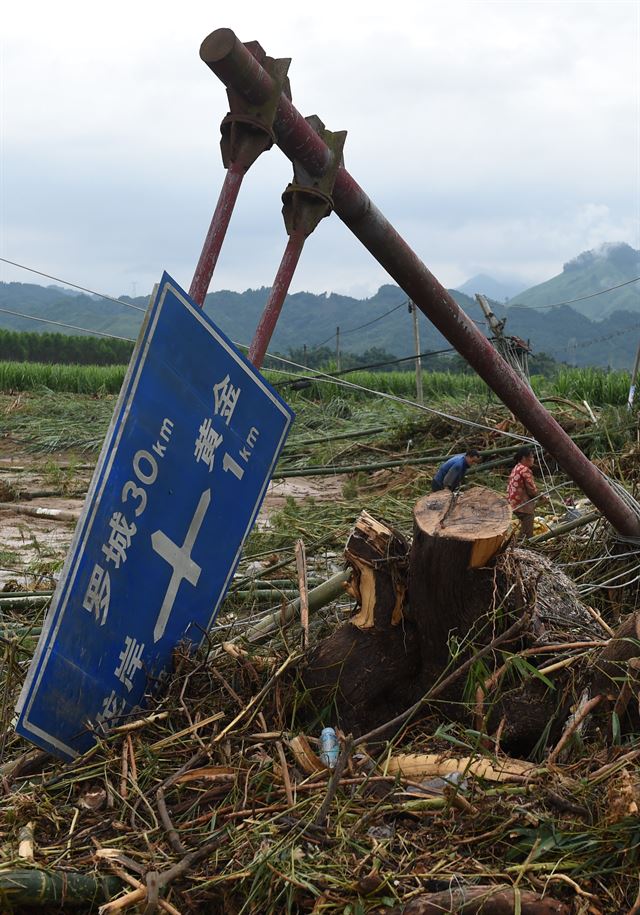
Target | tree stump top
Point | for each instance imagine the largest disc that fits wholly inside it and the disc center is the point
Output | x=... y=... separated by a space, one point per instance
x=478 y=516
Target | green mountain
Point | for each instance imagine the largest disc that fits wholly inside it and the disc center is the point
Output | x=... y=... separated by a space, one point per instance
x=498 y=290
x=607 y=336
x=608 y=266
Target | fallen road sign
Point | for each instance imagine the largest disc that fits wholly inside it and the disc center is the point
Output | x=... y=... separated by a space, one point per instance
x=192 y=445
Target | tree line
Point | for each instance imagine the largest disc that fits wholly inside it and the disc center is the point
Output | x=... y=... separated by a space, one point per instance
x=52 y=348
x=65 y=349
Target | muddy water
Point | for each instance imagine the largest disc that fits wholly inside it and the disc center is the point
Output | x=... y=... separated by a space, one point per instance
x=32 y=546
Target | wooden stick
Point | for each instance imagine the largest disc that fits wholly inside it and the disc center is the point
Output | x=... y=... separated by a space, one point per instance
x=573 y=726
x=159 y=744
x=164 y=878
x=596 y=616
x=124 y=771
x=139 y=723
x=124 y=902
x=172 y=832
x=489 y=900
x=301 y=565
x=132 y=760
x=285 y=774
x=334 y=781
x=127 y=878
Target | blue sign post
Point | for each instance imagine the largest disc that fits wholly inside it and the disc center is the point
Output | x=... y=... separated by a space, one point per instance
x=192 y=446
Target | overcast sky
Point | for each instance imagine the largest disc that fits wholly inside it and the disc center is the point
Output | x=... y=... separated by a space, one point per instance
x=497 y=137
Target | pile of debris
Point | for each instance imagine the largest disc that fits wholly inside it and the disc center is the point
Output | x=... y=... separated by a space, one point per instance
x=462 y=648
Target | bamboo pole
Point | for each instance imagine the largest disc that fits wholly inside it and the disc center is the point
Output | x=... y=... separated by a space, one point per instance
x=281 y=616
x=416 y=342
x=38 y=888
x=301 y=563
x=328 y=470
x=566 y=527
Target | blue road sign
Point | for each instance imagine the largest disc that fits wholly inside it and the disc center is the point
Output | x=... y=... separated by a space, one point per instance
x=191 y=448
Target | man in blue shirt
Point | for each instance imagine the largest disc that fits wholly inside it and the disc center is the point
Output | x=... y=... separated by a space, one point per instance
x=451 y=474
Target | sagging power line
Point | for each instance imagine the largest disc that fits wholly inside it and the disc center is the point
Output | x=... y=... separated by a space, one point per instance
x=581 y=298
x=48 y=276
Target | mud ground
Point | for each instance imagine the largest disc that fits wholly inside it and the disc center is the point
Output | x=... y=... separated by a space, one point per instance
x=32 y=546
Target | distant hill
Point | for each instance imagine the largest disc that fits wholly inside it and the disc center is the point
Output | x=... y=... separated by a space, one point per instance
x=381 y=321
x=497 y=290
x=589 y=272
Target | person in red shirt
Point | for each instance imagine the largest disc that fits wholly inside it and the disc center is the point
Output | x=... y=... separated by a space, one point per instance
x=522 y=491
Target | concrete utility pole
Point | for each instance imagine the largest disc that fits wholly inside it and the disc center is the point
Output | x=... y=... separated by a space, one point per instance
x=505 y=345
x=235 y=65
x=634 y=377
x=416 y=342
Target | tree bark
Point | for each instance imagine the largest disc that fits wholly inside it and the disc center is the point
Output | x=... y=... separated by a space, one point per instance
x=455 y=536
x=366 y=669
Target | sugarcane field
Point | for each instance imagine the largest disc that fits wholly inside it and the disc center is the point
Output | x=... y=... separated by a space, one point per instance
x=320 y=557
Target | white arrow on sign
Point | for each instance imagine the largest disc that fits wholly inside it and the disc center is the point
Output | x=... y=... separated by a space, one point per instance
x=179 y=558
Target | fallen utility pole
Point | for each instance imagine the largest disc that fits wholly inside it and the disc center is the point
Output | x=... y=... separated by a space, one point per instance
x=237 y=68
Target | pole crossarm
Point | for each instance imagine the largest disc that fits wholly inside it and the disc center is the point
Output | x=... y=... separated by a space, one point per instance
x=237 y=68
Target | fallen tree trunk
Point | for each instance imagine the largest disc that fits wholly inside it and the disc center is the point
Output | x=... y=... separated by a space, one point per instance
x=482 y=900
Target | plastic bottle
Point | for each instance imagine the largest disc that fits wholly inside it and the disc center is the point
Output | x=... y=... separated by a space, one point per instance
x=329 y=747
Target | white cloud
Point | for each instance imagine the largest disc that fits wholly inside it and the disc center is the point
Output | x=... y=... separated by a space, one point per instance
x=495 y=135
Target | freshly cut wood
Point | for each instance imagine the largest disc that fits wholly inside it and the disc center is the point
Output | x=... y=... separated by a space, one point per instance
x=427 y=765
x=425 y=613
x=25 y=842
x=480 y=520
x=366 y=669
x=371 y=545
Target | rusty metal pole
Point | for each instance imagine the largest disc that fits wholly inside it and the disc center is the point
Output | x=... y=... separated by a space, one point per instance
x=305 y=203
x=271 y=313
x=217 y=231
x=227 y=57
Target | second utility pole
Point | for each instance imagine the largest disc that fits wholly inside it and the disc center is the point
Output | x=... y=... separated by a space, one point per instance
x=416 y=342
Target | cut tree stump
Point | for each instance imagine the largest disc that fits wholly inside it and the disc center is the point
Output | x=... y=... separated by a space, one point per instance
x=454 y=536
x=365 y=670
x=422 y=614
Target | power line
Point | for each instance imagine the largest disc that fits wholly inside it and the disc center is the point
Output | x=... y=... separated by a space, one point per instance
x=75 y=285
x=579 y=344
x=98 y=333
x=579 y=299
x=373 y=365
x=352 y=330
x=329 y=379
